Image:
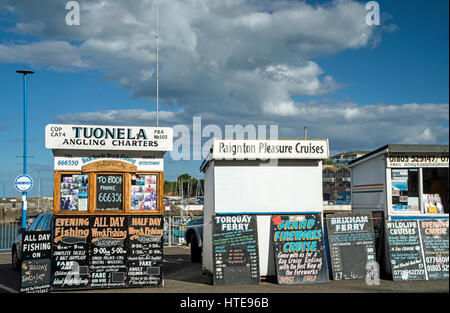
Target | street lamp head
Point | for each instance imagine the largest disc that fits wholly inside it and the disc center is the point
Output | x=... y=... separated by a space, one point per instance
x=24 y=72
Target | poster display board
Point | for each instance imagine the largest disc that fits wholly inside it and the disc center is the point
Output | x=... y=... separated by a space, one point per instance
x=144 y=192
x=299 y=249
x=108 y=251
x=74 y=192
x=235 y=250
x=70 y=255
x=145 y=251
x=418 y=249
x=434 y=234
x=351 y=241
x=36 y=262
x=405 y=193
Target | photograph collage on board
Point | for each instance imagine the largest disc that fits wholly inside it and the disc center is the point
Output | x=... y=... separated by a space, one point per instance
x=143 y=192
x=74 y=193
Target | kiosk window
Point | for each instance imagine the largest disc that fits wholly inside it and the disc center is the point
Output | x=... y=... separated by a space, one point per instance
x=405 y=189
x=109 y=192
x=74 y=192
x=435 y=187
x=144 y=192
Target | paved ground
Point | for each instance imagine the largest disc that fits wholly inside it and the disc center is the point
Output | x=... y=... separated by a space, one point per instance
x=182 y=276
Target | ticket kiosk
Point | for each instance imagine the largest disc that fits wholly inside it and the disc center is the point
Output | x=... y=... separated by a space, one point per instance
x=108 y=203
x=405 y=189
x=261 y=178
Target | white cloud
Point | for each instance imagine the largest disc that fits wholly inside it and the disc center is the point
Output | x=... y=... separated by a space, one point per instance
x=241 y=61
x=233 y=56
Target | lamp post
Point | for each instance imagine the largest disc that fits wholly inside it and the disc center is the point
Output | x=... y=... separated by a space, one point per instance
x=24 y=193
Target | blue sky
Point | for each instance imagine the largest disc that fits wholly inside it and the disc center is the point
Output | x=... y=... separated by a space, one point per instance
x=288 y=63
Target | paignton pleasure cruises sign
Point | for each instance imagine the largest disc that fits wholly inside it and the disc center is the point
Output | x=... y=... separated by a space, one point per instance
x=271 y=149
x=90 y=137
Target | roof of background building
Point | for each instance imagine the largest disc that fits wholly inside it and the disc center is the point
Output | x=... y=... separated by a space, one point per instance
x=402 y=148
x=349 y=152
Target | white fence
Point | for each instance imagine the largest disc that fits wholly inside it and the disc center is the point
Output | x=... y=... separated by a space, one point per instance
x=174 y=230
x=8 y=232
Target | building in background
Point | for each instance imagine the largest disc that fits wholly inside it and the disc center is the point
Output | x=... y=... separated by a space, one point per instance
x=336 y=184
x=337 y=178
x=342 y=159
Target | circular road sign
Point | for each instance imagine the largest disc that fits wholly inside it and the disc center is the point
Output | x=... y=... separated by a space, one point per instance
x=23 y=183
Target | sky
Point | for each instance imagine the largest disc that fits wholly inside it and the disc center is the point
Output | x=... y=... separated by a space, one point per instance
x=243 y=62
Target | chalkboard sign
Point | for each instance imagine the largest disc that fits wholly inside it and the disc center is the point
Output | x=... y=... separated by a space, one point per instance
x=299 y=249
x=36 y=264
x=108 y=251
x=146 y=251
x=70 y=256
x=351 y=241
x=109 y=192
x=235 y=250
x=434 y=234
x=405 y=250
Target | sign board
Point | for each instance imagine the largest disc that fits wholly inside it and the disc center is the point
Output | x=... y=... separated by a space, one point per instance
x=351 y=241
x=108 y=251
x=36 y=262
x=145 y=251
x=315 y=149
x=434 y=235
x=76 y=163
x=299 y=249
x=70 y=256
x=109 y=194
x=23 y=183
x=399 y=160
x=235 y=250
x=118 y=138
x=405 y=250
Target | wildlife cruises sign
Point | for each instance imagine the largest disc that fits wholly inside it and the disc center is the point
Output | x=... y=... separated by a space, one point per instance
x=314 y=149
x=94 y=137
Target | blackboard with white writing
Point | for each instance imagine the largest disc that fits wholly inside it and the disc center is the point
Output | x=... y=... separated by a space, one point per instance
x=108 y=251
x=405 y=250
x=434 y=234
x=235 y=250
x=145 y=259
x=109 y=192
x=351 y=241
x=36 y=262
x=299 y=249
x=70 y=255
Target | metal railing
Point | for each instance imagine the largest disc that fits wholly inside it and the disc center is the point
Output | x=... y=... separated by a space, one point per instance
x=174 y=230
x=8 y=232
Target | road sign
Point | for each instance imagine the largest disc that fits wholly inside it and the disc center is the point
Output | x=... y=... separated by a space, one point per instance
x=23 y=183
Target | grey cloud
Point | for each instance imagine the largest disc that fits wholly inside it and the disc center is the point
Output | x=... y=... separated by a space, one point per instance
x=348 y=126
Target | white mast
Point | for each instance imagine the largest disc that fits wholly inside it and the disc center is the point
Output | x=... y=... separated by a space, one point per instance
x=157 y=68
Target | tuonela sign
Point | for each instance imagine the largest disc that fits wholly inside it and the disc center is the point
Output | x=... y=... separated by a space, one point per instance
x=88 y=137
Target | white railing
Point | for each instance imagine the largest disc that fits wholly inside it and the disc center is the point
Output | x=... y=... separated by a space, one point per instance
x=8 y=233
